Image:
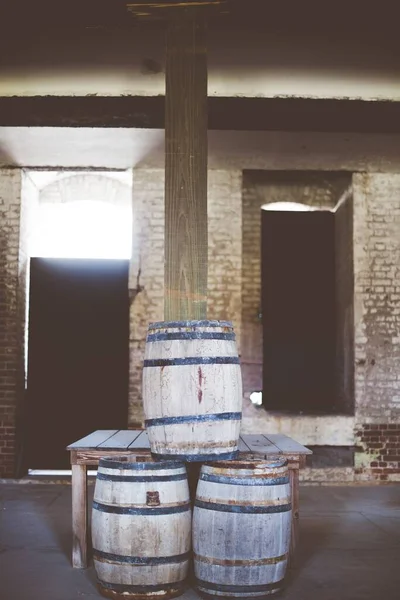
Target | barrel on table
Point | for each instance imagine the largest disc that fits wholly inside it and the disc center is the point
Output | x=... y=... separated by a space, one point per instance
x=141 y=528
x=241 y=528
x=192 y=390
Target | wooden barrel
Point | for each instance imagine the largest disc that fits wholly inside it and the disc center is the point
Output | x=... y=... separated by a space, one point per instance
x=141 y=528
x=192 y=390
x=241 y=528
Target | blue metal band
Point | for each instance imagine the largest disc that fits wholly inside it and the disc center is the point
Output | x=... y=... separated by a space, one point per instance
x=145 y=510
x=205 y=323
x=141 y=466
x=198 y=457
x=228 y=416
x=191 y=360
x=140 y=560
x=142 y=478
x=208 y=585
x=142 y=589
x=190 y=335
x=242 y=508
x=259 y=481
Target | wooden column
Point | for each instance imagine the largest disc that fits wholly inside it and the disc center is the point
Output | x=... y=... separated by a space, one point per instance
x=186 y=241
x=79 y=516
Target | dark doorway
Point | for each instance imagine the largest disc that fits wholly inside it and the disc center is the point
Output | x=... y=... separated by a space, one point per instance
x=78 y=354
x=298 y=311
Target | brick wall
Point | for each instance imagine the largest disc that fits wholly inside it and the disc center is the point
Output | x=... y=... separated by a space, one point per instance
x=146 y=279
x=377 y=321
x=251 y=339
x=234 y=293
x=73 y=186
x=225 y=248
x=11 y=344
x=29 y=206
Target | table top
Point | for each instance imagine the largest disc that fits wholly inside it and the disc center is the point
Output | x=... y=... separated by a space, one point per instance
x=135 y=439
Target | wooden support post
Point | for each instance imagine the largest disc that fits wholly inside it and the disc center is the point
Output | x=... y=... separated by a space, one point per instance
x=79 y=516
x=186 y=241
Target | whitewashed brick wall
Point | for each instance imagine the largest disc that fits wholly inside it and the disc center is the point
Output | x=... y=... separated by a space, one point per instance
x=11 y=344
x=377 y=296
x=90 y=185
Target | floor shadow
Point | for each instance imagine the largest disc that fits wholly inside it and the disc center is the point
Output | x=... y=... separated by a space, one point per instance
x=59 y=519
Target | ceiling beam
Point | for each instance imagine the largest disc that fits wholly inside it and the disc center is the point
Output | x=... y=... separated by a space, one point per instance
x=240 y=114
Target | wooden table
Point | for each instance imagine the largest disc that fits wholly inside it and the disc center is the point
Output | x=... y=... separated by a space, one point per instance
x=88 y=450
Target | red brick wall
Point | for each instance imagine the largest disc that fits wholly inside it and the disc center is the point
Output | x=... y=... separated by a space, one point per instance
x=380 y=445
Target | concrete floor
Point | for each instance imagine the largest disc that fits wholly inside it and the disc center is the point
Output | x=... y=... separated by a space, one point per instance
x=350 y=545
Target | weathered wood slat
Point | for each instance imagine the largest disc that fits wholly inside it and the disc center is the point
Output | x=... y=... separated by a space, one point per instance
x=141 y=526
x=122 y=439
x=92 y=457
x=243 y=447
x=259 y=443
x=186 y=251
x=225 y=114
x=241 y=528
x=93 y=439
x=194 y=371
x=142 y=441
x=79 y=517
x=287 y=444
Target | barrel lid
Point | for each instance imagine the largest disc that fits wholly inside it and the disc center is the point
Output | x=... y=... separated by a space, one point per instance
x=135 y=462
x=203 y=323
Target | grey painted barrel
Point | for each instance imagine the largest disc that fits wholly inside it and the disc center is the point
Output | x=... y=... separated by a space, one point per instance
x=241 y=528
x=141 y=528
x=192 y=390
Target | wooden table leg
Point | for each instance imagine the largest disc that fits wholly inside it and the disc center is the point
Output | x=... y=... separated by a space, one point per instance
x=294 y=486
x=79 y=517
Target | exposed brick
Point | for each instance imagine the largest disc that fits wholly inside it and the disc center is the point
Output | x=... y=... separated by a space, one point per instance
x=377 y=301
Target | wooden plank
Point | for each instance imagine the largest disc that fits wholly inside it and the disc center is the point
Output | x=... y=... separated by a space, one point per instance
x=186 y=252
x=225 y=114
x=287 y=444
x=243 y=447
x=79 y=517
x=122 y=439
x=141 y=442
x=92 y=457
x=93 y=439
x=258 y=443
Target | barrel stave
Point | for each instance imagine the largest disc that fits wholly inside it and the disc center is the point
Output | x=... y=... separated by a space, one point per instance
x=192 y=390
x=141 y=528
x=241 y=528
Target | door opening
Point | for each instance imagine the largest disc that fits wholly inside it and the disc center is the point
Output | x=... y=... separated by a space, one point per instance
x=298 y=311
x=78 y=354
